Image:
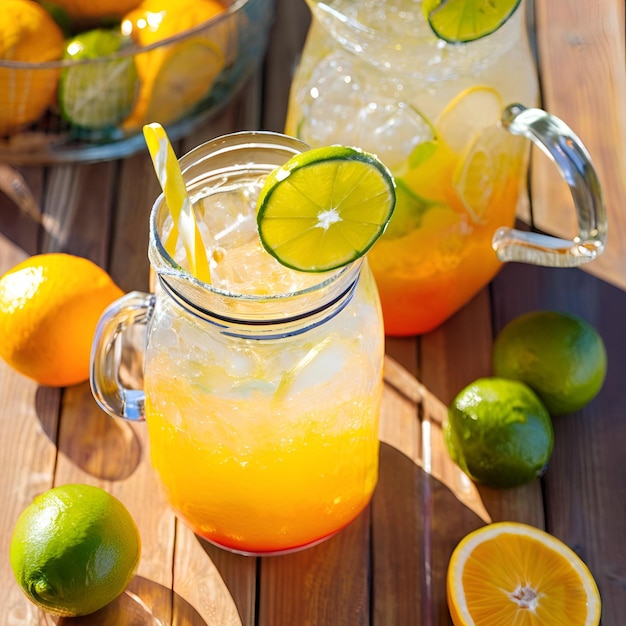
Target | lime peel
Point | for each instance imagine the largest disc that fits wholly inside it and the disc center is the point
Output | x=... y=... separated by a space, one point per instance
x=557 y=354
x=99 y=90
x=74 y=549
x=499 y=432
x=325 y=208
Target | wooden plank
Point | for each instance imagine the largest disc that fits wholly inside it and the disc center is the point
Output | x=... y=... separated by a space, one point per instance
x=199 y=590
x=583 y=76
x=219 y=584
x=28 y=419
x=452 y=356
x=285 y=45
x=96 y=449
x=398 y=503
x=19 y=221
x=137 y=190
x=112 y=454
x=77 y=207
x=585 y=477
x=419 y=487
x=327 y=584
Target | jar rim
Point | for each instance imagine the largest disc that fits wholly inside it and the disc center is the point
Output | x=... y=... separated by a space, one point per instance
x=167 y=267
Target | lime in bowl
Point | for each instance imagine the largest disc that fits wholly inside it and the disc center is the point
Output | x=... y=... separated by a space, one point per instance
x=87 y=93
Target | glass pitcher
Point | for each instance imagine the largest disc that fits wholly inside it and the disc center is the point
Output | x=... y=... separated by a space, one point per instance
x=446 y=121
x=261 y=391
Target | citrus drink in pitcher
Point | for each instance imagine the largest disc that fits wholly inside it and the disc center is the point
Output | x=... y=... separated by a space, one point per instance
x=375 y=74
x=262 y=388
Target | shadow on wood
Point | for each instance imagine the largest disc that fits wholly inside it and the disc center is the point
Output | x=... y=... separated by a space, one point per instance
x=144 y=603
x=104 y=447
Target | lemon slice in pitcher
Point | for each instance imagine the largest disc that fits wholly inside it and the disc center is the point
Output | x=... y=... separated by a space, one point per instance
x=462 y=21
x=325 y=208
x=466 y=115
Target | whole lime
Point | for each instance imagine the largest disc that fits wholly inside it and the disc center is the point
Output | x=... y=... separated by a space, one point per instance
x=99 y=90
x=74 y=549
x=559 y=355
x=499 y=432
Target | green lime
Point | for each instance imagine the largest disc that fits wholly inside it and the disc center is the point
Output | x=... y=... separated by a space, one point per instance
x=100 y=91
x=74 y=549
x=462 y=21
x=499 y=432
x=325 y=208
x=408 y=213
x=561 y=356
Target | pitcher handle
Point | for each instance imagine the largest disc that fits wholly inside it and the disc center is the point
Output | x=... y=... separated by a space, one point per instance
x=565 y=149
x=109 y=392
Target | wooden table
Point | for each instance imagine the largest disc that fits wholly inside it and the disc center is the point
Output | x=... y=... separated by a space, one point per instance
x=388 y=567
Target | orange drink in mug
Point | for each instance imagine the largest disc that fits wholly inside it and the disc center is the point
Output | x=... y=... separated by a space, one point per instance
x=432 y=88
x=262 y=388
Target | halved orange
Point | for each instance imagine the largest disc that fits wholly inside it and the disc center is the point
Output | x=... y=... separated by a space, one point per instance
x=513 y=573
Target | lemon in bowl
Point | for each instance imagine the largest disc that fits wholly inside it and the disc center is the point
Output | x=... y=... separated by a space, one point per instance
x=30 y=38
x=175 y=76
x=189 y=58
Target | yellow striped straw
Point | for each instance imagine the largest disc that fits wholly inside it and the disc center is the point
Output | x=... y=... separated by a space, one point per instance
x=171 y=180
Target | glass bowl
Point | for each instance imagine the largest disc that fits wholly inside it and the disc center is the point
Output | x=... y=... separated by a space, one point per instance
x=214 y=60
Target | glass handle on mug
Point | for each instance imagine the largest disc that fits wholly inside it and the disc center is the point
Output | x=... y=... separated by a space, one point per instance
x=106 y=356
x=565 y=149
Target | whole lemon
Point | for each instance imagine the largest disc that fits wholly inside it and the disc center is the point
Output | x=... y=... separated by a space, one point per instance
x=175 y=77
x=50 y=305
x=27 y=34
x=74 y=549
x=499 y=432
x=559 y=355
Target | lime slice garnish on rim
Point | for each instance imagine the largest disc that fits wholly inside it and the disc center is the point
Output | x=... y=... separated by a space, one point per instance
x=325 y=208
x=461 y=21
